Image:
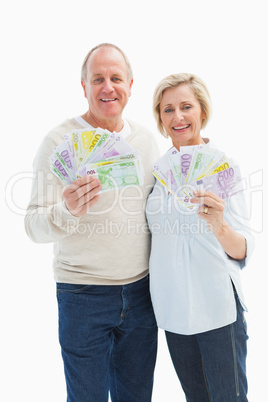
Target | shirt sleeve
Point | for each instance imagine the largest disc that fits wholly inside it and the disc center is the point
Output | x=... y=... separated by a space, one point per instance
x=238 y=216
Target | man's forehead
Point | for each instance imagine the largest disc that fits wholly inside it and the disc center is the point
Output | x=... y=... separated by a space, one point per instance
x=106 y=58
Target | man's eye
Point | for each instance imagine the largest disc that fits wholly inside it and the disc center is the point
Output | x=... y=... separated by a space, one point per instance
x=116 y=79
x=97 y=80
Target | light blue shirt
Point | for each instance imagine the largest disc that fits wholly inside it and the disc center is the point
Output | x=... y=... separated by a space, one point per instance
x=190 y=274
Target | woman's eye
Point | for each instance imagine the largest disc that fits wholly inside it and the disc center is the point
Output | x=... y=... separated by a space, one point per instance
x=168 y=110
x=187 y=107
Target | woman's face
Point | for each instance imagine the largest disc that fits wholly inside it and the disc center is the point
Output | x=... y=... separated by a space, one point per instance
x=182 y=116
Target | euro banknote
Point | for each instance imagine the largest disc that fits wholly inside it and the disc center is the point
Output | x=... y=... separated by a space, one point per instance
x=198 y=167
x=116 y=174
x=100 y=153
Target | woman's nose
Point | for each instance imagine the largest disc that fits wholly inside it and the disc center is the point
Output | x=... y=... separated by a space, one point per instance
x=179 y=115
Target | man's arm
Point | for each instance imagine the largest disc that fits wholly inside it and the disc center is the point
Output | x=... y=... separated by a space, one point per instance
x=54 y=209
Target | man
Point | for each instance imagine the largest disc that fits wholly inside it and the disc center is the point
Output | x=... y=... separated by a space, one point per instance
x=107 y=328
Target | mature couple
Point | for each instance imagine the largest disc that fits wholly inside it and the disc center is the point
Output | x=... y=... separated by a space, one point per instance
x=107 y=321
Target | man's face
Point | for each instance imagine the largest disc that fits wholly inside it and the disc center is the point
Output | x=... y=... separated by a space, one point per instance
x=107 y=88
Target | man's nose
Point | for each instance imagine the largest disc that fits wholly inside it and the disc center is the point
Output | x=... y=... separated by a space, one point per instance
x=108 y=86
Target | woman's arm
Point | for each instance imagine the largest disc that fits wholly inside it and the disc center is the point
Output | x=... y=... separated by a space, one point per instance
x=233 y=243
x=212 y=211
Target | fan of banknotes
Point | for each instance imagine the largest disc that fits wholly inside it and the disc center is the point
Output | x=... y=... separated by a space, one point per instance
x=197 y=167
x=99 y=153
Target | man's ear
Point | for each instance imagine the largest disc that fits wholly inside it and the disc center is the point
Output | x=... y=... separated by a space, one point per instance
x=130 y=87
x=84 y=88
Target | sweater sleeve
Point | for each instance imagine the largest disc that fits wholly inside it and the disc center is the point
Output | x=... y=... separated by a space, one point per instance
x=47 y=219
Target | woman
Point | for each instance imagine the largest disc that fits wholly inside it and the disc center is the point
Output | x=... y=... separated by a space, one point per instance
x=196 y=258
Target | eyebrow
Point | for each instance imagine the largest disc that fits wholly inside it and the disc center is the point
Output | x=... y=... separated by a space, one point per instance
x=181 y=103
x=168 y=104
x=101 y=75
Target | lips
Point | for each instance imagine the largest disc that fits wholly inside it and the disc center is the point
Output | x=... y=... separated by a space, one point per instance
x=109 y=99
x=180 y=128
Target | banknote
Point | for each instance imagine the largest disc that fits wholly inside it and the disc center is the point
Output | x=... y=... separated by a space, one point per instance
x=98 y=152
x=62 y=160
x=175 y=164
x=165 y=172
x=186 y=154
x=224 y=183
x=202 y=161
x=116 y=175
x=108 y=145
x=197 y=167
x=80 y=141
x=99 y=138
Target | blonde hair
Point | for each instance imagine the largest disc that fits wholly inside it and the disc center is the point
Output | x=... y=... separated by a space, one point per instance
x=195 y=83
x=84 y=65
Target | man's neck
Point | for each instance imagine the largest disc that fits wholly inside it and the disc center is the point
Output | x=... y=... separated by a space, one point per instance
x=111 y=125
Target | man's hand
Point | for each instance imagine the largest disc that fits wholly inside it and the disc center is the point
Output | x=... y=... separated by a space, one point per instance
x=80 y=195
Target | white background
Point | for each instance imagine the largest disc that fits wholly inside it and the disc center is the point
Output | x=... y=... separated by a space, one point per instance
x=43 y=47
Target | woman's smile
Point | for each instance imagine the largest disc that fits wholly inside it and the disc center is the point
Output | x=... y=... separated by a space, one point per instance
x=181 y=128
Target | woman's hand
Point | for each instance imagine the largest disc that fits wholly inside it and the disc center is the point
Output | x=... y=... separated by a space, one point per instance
x=80 y=195
x=212 y=211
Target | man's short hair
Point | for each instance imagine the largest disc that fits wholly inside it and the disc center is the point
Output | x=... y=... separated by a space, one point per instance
x=84 y=66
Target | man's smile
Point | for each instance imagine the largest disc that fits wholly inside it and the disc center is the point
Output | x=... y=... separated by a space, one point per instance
x=108 y=100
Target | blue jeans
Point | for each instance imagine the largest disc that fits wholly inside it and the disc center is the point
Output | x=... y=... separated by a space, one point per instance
x=108 y=338
x=211 y=366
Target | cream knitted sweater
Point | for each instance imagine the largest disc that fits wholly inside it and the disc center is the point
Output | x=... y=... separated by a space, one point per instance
x=110 y=245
